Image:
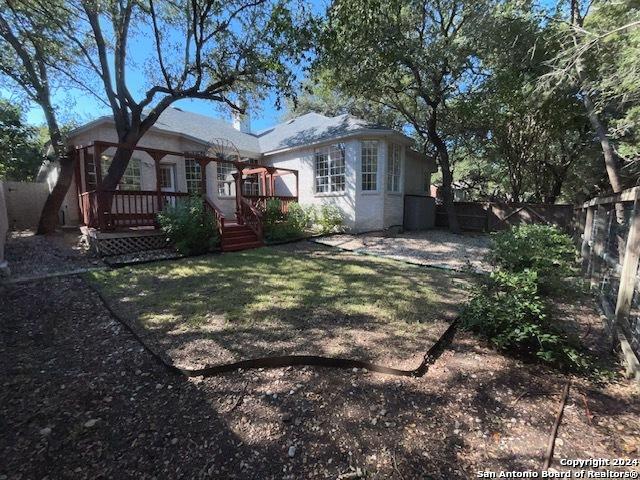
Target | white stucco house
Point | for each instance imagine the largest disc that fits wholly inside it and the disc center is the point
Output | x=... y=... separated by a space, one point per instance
x=365 y=170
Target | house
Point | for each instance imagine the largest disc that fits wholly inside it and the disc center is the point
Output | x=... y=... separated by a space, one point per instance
x=364 y=170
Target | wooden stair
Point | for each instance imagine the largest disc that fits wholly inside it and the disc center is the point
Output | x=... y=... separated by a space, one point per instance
x=236 y=237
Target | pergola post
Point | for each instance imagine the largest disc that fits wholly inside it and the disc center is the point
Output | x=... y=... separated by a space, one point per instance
x=263 y=181
x=203 y=177
x=98 y=148
x=157 y=157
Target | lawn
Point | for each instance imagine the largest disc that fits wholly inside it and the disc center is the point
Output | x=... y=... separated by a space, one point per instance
x=304 y=299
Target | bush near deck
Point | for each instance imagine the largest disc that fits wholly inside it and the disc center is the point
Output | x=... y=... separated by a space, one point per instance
x=299 y=220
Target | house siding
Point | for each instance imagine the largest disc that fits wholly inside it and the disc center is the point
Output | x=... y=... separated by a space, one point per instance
x=362 y=210
x=303 y=160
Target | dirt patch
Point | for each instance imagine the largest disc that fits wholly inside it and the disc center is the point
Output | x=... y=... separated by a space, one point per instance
x=298 y=299
x=438 y=248
x=35 y=255
x=81 y=399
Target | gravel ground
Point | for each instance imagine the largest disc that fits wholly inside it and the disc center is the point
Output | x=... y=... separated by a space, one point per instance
x=33 y=255
x=81 y=399
x=438 y=248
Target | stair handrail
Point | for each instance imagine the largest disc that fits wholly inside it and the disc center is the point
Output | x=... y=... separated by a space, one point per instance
x=217 y=214
x=251 y=217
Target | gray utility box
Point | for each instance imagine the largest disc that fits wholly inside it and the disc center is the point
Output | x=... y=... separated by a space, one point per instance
x=419 y=212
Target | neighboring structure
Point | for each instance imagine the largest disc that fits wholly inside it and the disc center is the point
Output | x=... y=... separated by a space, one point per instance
x=364 y=170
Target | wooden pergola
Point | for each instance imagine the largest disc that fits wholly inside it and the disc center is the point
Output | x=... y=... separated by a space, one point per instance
x=110 y=209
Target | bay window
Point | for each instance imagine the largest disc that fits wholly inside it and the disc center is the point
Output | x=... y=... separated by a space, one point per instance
x=369 y=160
x=394 y=167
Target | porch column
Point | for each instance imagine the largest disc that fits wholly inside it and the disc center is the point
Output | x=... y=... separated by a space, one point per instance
x=297 y=185
x=263 y=181
x=203 y=178
x=157 y=157
x=101 y=201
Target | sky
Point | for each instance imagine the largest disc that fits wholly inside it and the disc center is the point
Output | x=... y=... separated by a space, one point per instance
x=81 y=107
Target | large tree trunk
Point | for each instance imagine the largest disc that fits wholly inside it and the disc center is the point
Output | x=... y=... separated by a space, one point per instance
x=118 y=166
x=447 y=176
x=49 y=216
x=610 y=161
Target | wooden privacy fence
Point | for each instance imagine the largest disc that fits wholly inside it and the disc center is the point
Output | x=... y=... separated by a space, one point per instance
x=494 y=216
x=610 y=249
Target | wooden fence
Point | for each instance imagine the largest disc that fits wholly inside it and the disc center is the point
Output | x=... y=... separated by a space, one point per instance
x=610 y=249
x=494 y=216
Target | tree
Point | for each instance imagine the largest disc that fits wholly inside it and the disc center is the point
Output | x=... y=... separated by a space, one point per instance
x=218 y=50
x=599 y=59
x=29 y=44
x=319 y=95
x=413 y=57
x=20 y=147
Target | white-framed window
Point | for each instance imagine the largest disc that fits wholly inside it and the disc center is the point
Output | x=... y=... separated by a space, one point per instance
x=330 y=169
x=225 y=180
x=193 y=175
x=250 y=185
x=369 y=160
x=394 y=167
x=131 y=178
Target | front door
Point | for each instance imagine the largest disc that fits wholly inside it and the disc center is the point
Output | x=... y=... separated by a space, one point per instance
x=168 y=183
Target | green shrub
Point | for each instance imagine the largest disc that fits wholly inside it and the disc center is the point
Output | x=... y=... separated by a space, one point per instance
x=509 y=312
x=542 y=248
x=279 y=226
x=329 y=219
x=298 y=220
x=191 y=228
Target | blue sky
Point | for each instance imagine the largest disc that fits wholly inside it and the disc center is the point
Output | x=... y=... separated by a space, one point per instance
x=81 y=107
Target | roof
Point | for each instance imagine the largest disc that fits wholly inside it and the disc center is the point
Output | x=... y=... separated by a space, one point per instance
x=312 y=128
x=307 y=129
x=205 y=128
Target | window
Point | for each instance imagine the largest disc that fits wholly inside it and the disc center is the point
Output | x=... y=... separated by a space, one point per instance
x=193 y=175
x=226 y=182
x=130 y=178
x=394 y=164
x=330 y=169
x=250 y=186
x=369 y=165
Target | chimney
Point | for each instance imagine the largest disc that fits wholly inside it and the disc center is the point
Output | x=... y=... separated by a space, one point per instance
x=242 y=121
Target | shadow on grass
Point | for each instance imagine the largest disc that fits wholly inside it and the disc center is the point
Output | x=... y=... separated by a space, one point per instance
x=269 y=302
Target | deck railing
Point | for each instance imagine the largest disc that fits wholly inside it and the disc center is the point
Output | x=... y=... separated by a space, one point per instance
x=108 y=210
x=216 y=212
x=250 y=216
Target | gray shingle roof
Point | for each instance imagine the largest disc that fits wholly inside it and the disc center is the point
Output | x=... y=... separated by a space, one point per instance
x=205 y=128
x=311 y=128
x=304 y=130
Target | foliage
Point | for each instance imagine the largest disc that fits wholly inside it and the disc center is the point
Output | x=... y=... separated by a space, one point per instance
x=509 y=311
x=320 y=95
x=283 y=226
x=20 y=147
x=329 y=218
x=415 y=58
x=542 y=249
x=298 y=220
x=190 y=227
